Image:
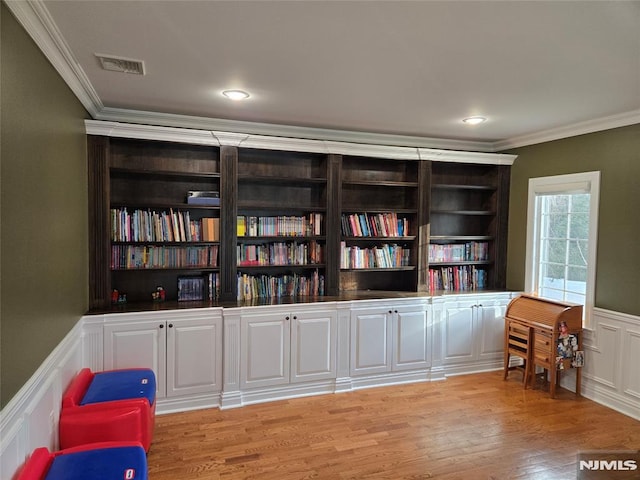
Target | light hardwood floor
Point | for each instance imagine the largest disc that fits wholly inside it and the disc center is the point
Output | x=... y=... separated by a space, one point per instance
x=471 y=427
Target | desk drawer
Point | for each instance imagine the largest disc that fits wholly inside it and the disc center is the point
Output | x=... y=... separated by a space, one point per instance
x=542 y=340
x=542 y=358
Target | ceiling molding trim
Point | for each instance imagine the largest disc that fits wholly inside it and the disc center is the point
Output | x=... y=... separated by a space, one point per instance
x=288 y=131
x=466 y=157
x=151 y=132
x=582 y=128
x=376 y=151
x=36 y=20
x=286 y=144
x=217 y=138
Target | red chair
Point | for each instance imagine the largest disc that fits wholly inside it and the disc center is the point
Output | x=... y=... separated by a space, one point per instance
x=98 y=461
x=116 y=405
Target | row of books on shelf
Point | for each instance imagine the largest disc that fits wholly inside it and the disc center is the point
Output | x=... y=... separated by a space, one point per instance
x=280 y=253
x=199 y=288
x=459 y=252
x=462 y=278
x=153 y=226
x=374 y=225
x=280 y=226
x=382 y=256
x=269 y=286
x=129 y=257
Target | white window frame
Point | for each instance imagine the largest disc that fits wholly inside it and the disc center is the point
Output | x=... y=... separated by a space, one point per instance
x=586 y=182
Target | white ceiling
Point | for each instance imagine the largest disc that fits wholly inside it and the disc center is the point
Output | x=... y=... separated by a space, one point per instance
x=537 y=70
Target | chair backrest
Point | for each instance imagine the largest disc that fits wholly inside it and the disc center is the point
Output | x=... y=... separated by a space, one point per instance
x=78 y=387
x=518 y=338
x=36 y=466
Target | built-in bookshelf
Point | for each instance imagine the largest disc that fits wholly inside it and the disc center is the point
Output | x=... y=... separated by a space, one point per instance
x=281 y=224
x=155 y=236
x=468 y=216
x=380 y=213
x=212 y=222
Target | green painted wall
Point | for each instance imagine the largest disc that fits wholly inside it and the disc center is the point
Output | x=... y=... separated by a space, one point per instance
x=43 y=208
x=616 y=154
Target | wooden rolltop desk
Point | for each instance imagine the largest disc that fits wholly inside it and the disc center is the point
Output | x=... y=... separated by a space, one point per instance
x=556 y=335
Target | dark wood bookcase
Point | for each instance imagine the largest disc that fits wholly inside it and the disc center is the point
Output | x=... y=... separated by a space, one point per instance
x=290 y=214
x=469 y=210
x=282 y=224
x=376 y=195
x=137 y=179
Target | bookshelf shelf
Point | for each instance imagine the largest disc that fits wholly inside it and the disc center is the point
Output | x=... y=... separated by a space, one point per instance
x=373 y=183
x=151 y=174
x=390 y=269
x=168 y=269
x=267 y=179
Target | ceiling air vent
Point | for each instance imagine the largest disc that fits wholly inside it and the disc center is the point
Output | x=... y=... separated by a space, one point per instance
x=121 y=64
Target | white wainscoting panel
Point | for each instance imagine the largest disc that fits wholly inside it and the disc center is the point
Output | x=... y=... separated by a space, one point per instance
x=30 y=419
x=611 y=375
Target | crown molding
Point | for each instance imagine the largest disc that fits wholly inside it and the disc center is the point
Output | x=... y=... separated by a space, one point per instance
x=250 y=140
x=466 y=157
x=288 y=131
x=36 y=20
x=605 y=123
x=151 y=132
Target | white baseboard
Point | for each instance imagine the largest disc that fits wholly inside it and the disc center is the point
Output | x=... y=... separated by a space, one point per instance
x=193 y=402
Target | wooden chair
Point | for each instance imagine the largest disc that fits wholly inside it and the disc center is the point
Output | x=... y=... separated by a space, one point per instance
x=518 y=341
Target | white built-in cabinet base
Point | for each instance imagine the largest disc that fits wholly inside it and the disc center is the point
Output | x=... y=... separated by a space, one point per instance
x=231 y=357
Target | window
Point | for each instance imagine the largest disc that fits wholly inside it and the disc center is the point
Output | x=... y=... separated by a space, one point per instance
x=562 y=224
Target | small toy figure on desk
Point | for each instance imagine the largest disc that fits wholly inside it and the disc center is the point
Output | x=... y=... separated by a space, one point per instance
x=118 y=298
x=158 y=295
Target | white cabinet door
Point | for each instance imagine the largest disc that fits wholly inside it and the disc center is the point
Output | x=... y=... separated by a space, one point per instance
x=491 y=325
x=194 y=356
x=473 y=329
x=371 y=331
x=264 y=350
x=410 y=349
x=138 y=344
x=459 y=330
x=313 y=346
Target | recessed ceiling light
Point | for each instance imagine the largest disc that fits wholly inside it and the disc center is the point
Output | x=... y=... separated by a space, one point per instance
x=474 y=120
x=235 y=94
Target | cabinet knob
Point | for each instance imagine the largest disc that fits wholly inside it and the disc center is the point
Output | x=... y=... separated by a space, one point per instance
x=286 y=318
x=161 y=325
x=395 y=311
x=171 y=325
x=295 y=317
x=390 y=311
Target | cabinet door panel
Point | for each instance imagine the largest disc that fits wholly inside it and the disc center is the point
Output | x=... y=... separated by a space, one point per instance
x=458 y=328
x=264 y=347
x=194 y=356
x=137 y=344
x=411 y=349
x=313 y=346
x=492 y=331
x=370 y=334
